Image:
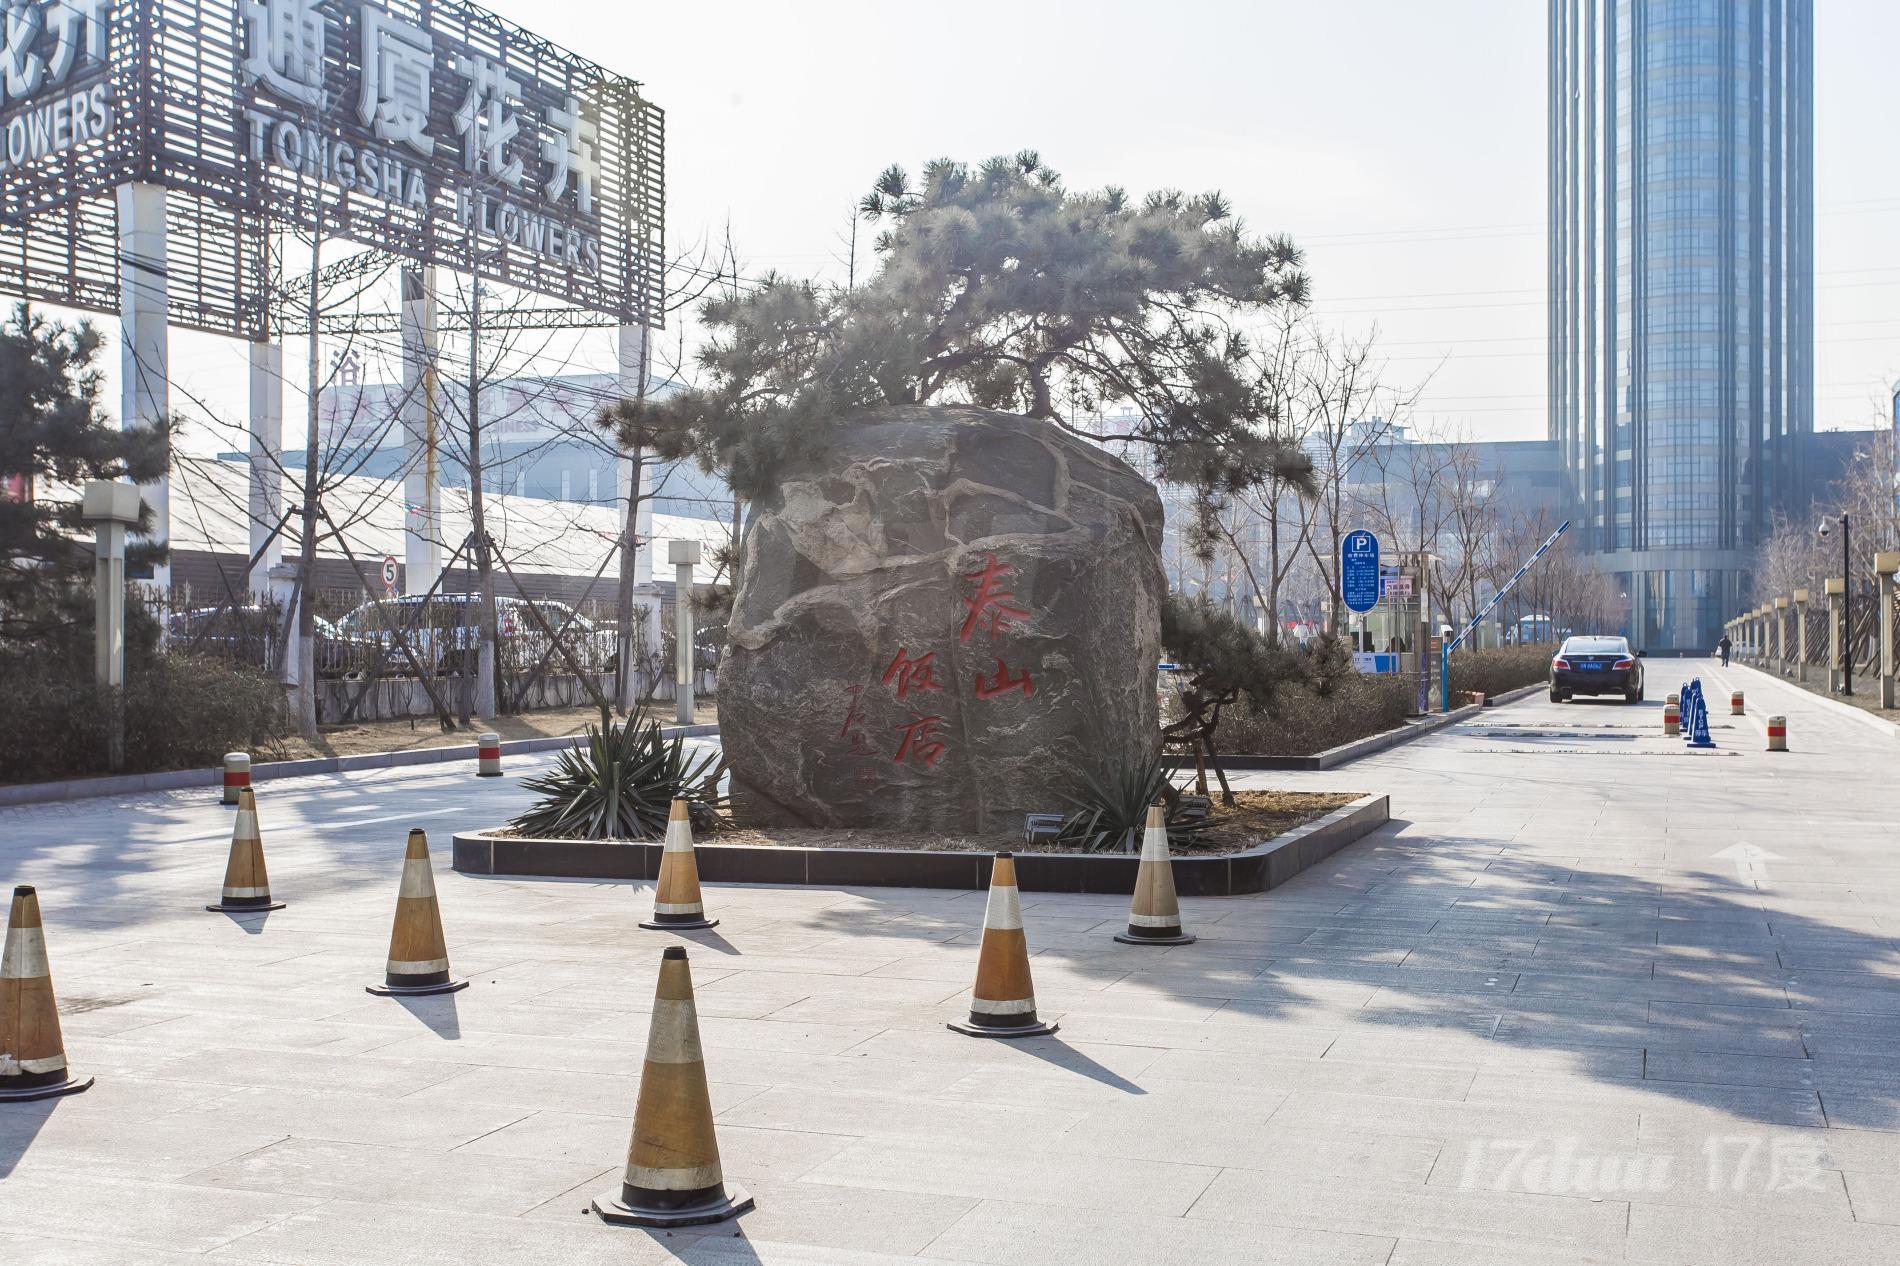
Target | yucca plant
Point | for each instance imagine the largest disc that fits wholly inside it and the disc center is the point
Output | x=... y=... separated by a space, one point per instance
x=1111 y=813
x=620 y=785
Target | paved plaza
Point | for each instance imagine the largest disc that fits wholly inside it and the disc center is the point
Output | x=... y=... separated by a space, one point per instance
x=1590 y=997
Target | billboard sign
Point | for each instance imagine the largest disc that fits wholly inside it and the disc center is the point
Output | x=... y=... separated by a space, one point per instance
x=429 y=129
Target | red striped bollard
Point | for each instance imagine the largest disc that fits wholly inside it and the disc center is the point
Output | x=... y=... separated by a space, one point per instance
x=237 y=776
x=1777 y=734
x=1672 y=717
x=1735 y=708
x=488 y=756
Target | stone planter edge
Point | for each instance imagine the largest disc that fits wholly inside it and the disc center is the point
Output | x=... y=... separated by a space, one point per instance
x=1266 y=865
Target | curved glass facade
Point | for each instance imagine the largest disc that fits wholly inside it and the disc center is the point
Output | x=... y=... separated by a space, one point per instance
x=1681 y=265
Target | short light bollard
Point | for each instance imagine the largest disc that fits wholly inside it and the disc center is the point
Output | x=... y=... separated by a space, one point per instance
x=1735 y=708
x=237 y=776
x=488 y=756
x=1777 y=734
x=1672 y=717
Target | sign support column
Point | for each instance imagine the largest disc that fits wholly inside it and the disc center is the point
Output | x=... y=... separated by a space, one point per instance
x=144 y=357
x=266 y=503
x=421 y=520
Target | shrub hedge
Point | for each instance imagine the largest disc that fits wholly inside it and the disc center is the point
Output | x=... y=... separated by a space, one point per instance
x=1304 y=721
x=180 y=713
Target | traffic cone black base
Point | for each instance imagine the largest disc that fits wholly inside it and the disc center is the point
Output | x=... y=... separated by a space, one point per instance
x=446 y=985
x=681 y=923
x=226 y=907
x=970 y=1028
x=63 y=1084
x=728 y=1200
x=1186 y=938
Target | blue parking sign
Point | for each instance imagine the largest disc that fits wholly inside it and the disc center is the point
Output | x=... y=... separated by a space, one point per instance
x=1359 y=570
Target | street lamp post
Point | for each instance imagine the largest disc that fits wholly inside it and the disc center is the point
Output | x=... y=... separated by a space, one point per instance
x=112 y=509
x=683 y=555
x=1847 y=604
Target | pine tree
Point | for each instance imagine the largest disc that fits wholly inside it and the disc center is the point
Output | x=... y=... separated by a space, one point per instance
x=999 y=287
x=53 y=438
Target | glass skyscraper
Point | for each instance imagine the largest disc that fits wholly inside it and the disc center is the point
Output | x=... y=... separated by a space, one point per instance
x=1681 y=282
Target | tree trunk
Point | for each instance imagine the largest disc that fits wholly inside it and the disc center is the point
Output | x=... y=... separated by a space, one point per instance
x=485 y=666
x=307 y=555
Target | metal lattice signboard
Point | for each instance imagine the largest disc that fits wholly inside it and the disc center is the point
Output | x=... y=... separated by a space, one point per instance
x=429 y=129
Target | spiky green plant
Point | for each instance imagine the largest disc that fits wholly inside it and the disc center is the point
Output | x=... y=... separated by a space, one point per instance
x=620 y=785
x=1107 y=814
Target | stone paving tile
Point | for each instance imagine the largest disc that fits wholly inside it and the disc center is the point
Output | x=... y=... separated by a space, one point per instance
x=1010 y=1234
x=145 y=1214
x=1016 y=1173
x=357 y=1233
x=1492 y=1217
x=459 y=1181
x=1726 y=1237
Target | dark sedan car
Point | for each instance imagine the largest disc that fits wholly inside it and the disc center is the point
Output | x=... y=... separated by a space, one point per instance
x=1596 y=666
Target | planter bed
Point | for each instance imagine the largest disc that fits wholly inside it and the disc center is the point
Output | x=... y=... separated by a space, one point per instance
x=1257 y=868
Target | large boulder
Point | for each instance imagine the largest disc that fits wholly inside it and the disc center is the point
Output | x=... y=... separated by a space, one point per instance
x=946 y=621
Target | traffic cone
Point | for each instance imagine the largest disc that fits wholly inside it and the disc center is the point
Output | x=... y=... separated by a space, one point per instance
x=32 y=1054
x=1003 y=1004
x=673 y=1176
x=246 y=883
x=677 y=906
x=418 y=955
x=1154 y=916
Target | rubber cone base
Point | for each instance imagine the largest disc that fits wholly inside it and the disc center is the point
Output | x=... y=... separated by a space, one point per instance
x=612 y=1208
x=221 y=908
x=691 y=925
x=387 y=990
x=1185 y=938
x=71 y=1086
x=1037 y=1029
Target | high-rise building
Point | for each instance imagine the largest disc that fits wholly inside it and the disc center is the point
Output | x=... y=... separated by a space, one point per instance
x=1681 y=271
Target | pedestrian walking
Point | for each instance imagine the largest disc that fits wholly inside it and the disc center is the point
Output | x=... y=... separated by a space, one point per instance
x=1725 y=646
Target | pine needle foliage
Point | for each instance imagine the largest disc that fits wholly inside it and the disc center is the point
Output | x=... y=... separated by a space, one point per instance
x=997 y=286
x=54 y=436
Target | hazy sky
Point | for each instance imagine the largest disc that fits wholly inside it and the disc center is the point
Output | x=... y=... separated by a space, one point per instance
x=1400 y=142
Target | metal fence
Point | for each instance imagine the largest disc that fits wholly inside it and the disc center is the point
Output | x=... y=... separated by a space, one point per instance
x=394 y=657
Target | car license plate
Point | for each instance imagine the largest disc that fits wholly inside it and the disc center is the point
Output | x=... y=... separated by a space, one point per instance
x=1591 y=668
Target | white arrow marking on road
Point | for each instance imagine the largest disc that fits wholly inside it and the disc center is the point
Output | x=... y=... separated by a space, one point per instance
x=1748 y=861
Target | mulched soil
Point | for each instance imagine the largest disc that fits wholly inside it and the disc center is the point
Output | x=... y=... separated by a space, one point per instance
x=1259 y=815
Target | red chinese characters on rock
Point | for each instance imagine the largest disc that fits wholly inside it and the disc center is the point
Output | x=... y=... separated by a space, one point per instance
x=919 y=740
x=853 y=727
x=913 y=674
x=992 y=608
x=1003 y=683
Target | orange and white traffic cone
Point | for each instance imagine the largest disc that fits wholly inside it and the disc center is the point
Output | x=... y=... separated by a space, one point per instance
x=32 y=1053
x=677 y=905
x=1154 y=916
x=418 y=954
x=1003 y=1004
x=673 y=1176
x=246 y=883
